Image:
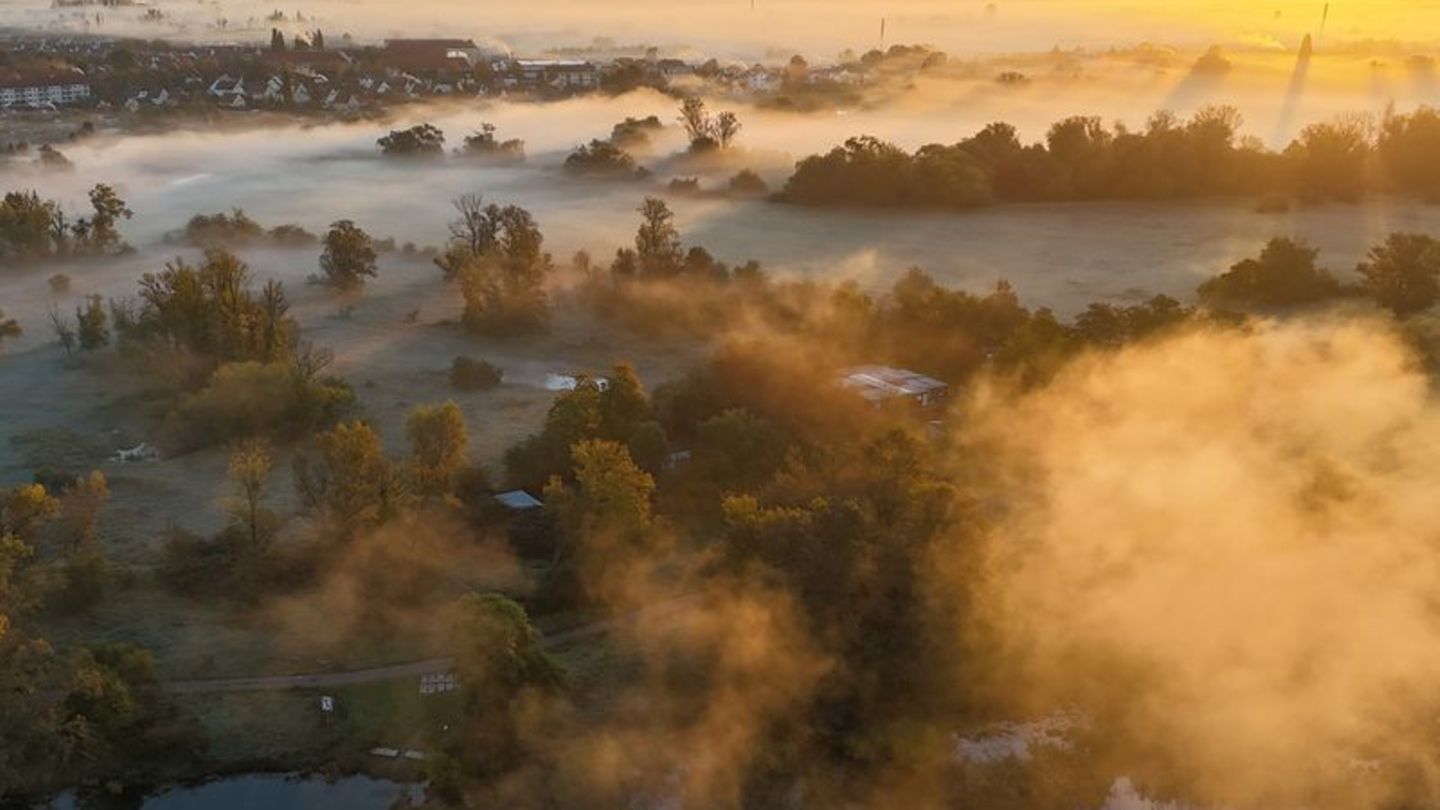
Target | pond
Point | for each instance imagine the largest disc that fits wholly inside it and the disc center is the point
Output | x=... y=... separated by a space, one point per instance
x=274 y=792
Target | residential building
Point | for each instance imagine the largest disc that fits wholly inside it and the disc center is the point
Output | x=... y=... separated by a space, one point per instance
x=40 y=89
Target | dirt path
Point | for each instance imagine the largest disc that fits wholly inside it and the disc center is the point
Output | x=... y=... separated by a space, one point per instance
x=413 y=669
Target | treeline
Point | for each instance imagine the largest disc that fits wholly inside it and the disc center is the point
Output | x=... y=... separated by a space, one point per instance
x=36 y=229
x=1171 y=158
x=662 y=286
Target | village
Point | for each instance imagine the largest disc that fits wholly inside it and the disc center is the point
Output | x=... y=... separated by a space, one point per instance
x=308 y=75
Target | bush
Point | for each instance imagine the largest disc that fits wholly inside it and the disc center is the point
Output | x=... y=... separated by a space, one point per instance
x=83 y=579
x=685 y=185
x=635 y=132
x=59 y=283
x=748 y=182
x=484 y=145
x=474 y=374
x=602 y=159
x=256 y=399
x=421 y=140
x=193 y=565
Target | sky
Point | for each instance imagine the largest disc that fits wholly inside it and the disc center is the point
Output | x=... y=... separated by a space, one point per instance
x=817 y=28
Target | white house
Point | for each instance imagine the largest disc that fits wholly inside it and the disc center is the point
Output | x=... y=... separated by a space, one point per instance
x=53 y=88
x=559 y=73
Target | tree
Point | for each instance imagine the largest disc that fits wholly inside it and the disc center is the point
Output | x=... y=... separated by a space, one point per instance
x=602 y=159
x=657 y=242
x=421 y=140
x=503 y=669
x=623 y=403
x=108 y=209
x=277 y=40
x=483 y=144
x=727 y=127
x=696 y=121
x=1331 y=160
x=92 y=329
x=351 y=481
x=23 y=509
x=80 y=507
x=611 y=494
x=9 y=328
x=738 y=449
x=1403 y=274
x=349 y=256
x=1285 y=274
x=439 y=448
x=504 y=285
x=249 y=474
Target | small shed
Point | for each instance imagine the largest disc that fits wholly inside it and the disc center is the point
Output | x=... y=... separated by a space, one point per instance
x=519 y=500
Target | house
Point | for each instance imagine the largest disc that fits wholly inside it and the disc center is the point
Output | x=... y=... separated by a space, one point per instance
x=226 y=88
x=558 y=73
x=673 y=68
x=432 y=55
x=43 y=88
x=879 y=384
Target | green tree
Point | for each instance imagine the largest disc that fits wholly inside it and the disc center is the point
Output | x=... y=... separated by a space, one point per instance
x=610 y=496
x=249 y=473
x=349 y=256
x=503 y=671
x=657 y=242
x=439 y=448
x=351 y=481
x=108 y=210
x=737 y=449
x=1403 y=274
x=1285 y=274
x=623 y=403
x=421 y=140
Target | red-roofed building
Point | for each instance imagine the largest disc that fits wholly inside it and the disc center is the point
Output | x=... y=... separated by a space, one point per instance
x=438 y=55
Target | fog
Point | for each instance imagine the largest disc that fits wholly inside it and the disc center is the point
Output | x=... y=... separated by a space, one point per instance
x=742 y=29
x=1062 y=256
x=1234 y=570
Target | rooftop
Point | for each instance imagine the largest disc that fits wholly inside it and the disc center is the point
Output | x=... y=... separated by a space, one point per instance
x=519 y=500
x=876 y=383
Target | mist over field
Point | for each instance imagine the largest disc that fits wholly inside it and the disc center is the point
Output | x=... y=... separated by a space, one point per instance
x=820 y=445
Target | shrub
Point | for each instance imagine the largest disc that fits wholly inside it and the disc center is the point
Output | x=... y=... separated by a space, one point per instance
x=256 y=399
x=191 y=564
x=602 y=159
x=59 y=283
x=635 y=132
x=84 y=577
x=484 y=145
x=685 y=185
x=474 y=374
x=418 y=141
x=748 y=182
